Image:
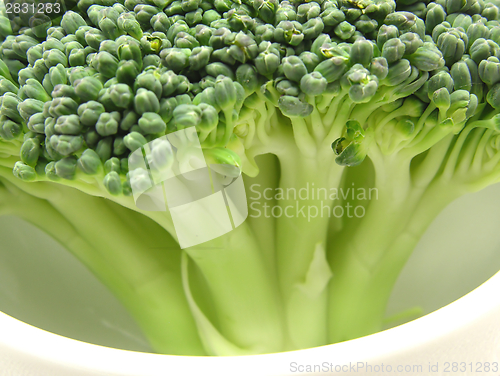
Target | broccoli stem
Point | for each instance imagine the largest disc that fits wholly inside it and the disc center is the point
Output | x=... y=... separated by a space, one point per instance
x=305 y=209
x=244 y=292
x=144 y=278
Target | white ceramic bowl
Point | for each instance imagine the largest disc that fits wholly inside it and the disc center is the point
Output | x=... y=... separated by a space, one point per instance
x=460 y=250
x=466 y=332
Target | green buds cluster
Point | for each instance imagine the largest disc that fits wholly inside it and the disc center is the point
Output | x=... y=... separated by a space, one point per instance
x=349 y=148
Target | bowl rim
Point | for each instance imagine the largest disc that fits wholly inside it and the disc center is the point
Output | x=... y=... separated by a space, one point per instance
x=20 y=339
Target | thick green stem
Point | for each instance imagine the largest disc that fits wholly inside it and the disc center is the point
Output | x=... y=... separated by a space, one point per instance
x=244 y=292
x=145 y=278
x=302 y=216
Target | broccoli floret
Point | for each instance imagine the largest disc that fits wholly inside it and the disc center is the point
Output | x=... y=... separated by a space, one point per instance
x=402 y=98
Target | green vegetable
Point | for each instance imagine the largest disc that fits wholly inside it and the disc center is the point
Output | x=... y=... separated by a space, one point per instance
x=397 y=101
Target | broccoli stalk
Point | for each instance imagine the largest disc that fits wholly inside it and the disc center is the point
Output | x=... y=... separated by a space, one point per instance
x=397 y=99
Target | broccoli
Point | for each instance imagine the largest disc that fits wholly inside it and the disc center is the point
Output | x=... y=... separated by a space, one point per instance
x=402 y=98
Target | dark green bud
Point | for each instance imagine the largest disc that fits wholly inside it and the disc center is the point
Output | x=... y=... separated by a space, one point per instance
x=350 y=149
x=493 y=96
x=29 y=107
x=199 y=57
x=53 y=57
x=24 y=172
x=88 y=88
x=332 y=17
x=209 y=117
x=34 y=53
x=398 y=72
x=393 y=50
x=379 y=67
x=441 y=98
x=62 y=106
x=129 y=119
x=203 y=34
x=461 y=76
x=294 y=68
x=105 y=63
x=440 y=80
x=267 y=63
x=412 y=42
x=9 y=130
x=119 y=147
x=89 y=112
x=307 y=11
x=34 y=89
x=427 y=58
x=219 y=69
x=24 y=75
x=402 y=20
x=195 y=17
x=366 y=25
x=36 y=123
x=151 y=61
x=150 y=81
x=66 y=145
x=248 y=77
x=107 y=124
x=104 y=148
x=30 y=151
x=475 y=31
x=289 y=32
x=313 y=28
x=50 y=171
x=94 y=37
x=113 y=183
x=482 y=49
x=40 y=69
x=146 y=101
x=69 y=125
x=121 y=95
x=310 y=60
x=127 y=72
x=452 y=44
x=167 y=106
x=225 y=92
x=266 y=9
x=333 y=68
x=264 y=33
x=285 y=12
x=185 y=40
x=435 y=15
x=7 y=86
x=66 y=168
x=187 y=115
x=151 y=123
x=313 y=84
x=361 y=52
x=128 y=23
x=160 y=22
x=8 y=106
x=361 y=84
x=89 y=162
x=175 y=59
x=71 y=21
x=134 y=141
x=77 y=57
x=489 y=70
x=294 y=107
x=344 y=30
x=286 y=87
